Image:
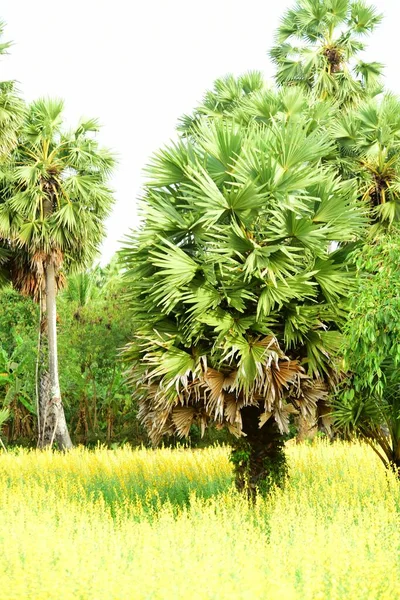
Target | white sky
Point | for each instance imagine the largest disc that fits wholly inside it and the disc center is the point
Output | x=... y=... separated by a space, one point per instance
x=139 y=65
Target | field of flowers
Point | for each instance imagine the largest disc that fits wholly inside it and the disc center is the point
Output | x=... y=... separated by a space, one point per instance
x=167 y=524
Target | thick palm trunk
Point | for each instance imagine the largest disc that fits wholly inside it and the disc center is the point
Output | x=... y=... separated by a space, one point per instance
x=53 y=423
x=259 y=458
x=305 y=429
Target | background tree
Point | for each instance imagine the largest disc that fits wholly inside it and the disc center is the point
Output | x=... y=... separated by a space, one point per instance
x=368 y=404
x=317 y=44
x=11 y=115
x=52 y=214
x=369 y=140
x=93 y=329
x=18 y=347
x=235 y=296
x=98 y=402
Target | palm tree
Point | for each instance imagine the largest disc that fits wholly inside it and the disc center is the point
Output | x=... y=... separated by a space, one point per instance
x=52 y=212
x=83 y=288
x=369 y=140
x=11 y=115
x=11 y=108
x=317 y=44
x=236 y=297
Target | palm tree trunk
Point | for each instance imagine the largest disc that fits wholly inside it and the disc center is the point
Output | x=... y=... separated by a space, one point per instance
x=259 y=458
x=307 y=429
x=54 y=426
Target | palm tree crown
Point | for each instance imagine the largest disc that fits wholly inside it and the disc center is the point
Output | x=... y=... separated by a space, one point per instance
x=234 y=290
x=369 y=140
x=55 y=197
x=317 y=44
x=52 y=210
x=12 y=111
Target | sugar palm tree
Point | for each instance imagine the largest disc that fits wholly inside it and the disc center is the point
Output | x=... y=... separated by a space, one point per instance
x=85 y=287
x=369 y=139
x=11 y=115
x=227 y=96
x=11 y=108
x=317 y=44
x=236 y=296
x=52 y=212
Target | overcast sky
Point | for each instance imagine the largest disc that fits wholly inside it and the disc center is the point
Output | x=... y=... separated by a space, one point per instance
x=138 y=65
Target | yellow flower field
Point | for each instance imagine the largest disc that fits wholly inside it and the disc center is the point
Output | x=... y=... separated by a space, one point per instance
x=167 y=524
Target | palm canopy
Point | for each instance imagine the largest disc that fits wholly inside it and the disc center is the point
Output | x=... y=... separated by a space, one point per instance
x=55 y=197
x=88 y=286
x=11 y=108
x=236 y=296
x=369 y=139
x=11 y=114
x=12 y=111
x=250 y=99
x=317 y=44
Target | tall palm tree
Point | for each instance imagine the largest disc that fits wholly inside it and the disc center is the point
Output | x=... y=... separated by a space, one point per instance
x=369 y=139
x=317 y=44
x=11 y=114
x=55 y=199
x=236 y=296
x=11 y=108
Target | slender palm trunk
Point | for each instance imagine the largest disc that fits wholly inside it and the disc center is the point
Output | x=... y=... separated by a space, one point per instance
x=259 y=458
x=45 y=427
x=53 y=423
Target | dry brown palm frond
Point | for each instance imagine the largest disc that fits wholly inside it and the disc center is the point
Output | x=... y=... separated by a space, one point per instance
x=282 y=415
x=324 y=416
x=203 y=420
x=271 y=343
x=264 y=418
x=235 y=430
x=278 y=378
x=183 y=418
x=215 y=381
x=232 y=410
x=307 y=394
x=285 y=373
x=230 y=381
x=281 y=389
x=27 y=274
x=56 y=257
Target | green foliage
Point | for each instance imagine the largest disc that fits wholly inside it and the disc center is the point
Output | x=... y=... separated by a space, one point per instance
x=317 y=44
x=55 y=195
x=369 y=403
x=97 y=400
x=18 y=324
x=91 y=333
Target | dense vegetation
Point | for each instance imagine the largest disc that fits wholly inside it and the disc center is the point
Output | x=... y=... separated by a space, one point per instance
x=241 y=276
x=91 y=328
x=257 y=301
x=251 y=297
